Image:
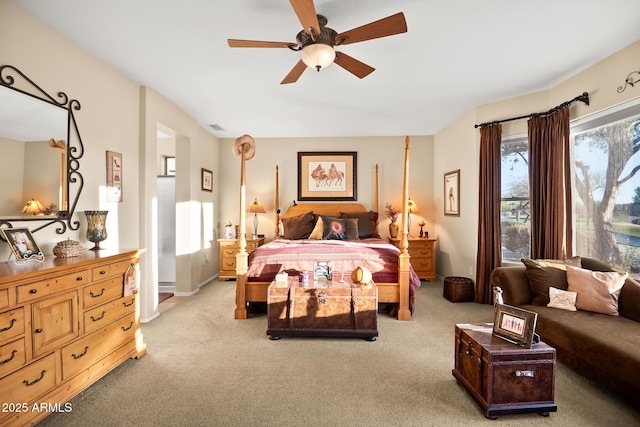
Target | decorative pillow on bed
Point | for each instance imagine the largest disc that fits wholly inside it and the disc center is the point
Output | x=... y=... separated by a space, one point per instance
x=298 y=227
x=367 y=223
x=546 y=273
x=597 y=291
x=318 y=230
x=564 y=300
x=334 y=228
x=352 y=229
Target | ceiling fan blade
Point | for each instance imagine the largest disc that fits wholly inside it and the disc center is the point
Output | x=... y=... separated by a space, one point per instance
x=306 y=12
x=294 y=74
x=394 y=24
x=352 y=65
x=257 y=43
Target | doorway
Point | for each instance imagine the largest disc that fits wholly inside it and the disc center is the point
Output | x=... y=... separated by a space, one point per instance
x=166 y=216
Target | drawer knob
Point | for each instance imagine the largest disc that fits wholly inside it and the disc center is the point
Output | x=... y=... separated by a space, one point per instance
x=81 y=354
x=33 y=291
x=38 y=331
x=97 y=295
x=130 y=304
x=13 y=354
x=79 y=278
x=126 y=329
x=95 y=319
x=30 y=383
x=103 y=272
x=13 y=321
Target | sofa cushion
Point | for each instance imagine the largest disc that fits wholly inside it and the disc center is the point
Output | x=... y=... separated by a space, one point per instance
x=629 y=302
x=597 y=291
x=546 y=273
x=564 y=300
x=599 y=346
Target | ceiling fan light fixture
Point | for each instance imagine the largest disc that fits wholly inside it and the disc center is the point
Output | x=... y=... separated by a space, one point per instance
x=318 y=55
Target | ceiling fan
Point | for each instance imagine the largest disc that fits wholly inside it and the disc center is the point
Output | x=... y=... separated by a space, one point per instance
x=316 y=41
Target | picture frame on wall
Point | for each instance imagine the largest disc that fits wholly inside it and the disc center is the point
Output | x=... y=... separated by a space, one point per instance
x=114 y=177
x=22 y=244
x=515 y=324
x=327 y=175
x=206 y=180
x=452 y=193
x=170 y=166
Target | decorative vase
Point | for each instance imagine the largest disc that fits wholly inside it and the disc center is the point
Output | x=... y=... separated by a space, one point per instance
x=393 y=230
x=96 y=227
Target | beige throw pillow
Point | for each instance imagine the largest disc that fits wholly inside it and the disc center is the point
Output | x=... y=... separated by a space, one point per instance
x=563 y=300
x=597 y=291
x=316 y=234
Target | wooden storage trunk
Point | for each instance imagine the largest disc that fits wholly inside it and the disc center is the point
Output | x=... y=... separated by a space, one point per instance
x=458 y=289
x=322 y=308
x=503 y=377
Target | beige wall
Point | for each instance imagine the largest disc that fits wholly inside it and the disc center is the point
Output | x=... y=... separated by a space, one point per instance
x=117 y=115
x=387 y=152
x=458 y=236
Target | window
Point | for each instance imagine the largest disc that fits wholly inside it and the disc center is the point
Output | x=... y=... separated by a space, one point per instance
x=514 y=208
x=606 y=187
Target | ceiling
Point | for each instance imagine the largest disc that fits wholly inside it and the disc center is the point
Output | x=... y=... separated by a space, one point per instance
x=456 y=55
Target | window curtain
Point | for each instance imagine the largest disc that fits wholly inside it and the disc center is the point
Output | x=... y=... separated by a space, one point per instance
x=550 y=185
x=489 y=235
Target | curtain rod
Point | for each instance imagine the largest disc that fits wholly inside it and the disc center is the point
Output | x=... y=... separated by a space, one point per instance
x=582 y=98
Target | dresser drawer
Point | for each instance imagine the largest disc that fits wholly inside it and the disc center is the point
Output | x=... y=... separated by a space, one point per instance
x=12 y=356
x=229 y=251
x=106 y=313
x=101 y=292
x=420 y=252
x=4 y=298
x=110 y=270
x=43 y=288
x=29 y=382
x=85 y=352
x=228 y=264
x=11 y=324
x=422 y=264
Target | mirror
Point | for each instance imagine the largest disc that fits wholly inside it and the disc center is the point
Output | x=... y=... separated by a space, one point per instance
x=33 y=167
x=41 y=147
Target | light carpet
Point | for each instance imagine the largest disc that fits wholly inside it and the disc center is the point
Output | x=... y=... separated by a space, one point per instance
x=203 y=368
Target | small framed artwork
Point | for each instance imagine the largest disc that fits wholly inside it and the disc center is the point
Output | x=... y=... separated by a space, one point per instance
x=114 y=176
x=322 y=270
x=327 y=175
x=452 y=193
x=22 y=244
x=515 y=324
x=170 y=166
x=206 y=179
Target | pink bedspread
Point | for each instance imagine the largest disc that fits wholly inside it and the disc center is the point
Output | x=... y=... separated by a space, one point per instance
x=293 y=256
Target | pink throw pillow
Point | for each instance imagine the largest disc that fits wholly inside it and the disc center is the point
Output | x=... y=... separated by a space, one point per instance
x=597 y=291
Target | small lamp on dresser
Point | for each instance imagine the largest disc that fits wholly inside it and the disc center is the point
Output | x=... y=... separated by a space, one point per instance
x=255 y=208
x=413 y=208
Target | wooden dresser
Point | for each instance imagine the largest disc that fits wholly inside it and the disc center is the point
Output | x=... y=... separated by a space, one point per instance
x=228 y=250
x=64 y=324
x=422 y=256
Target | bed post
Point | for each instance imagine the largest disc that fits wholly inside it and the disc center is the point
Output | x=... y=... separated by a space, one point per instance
x=404 y=258
x=376 y=206
x=244 y=146
x=277 y=234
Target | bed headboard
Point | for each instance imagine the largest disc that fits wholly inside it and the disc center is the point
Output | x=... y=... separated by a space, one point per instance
x=330 y=209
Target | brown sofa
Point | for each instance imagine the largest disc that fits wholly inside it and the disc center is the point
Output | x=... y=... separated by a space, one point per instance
x=601 y=347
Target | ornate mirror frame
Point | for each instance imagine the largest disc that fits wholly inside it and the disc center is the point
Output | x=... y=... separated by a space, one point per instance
x=11 y=78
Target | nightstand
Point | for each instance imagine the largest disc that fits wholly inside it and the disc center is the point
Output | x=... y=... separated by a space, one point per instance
x=228 y=250
x=422 y=256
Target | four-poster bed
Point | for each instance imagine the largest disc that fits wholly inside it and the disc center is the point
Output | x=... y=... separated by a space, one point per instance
x=392 y=272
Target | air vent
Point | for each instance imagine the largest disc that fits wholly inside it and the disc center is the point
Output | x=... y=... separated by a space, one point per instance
x=216 y=127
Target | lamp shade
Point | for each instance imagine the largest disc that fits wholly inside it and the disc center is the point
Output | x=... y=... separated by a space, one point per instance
x=33 y=206
x=318 y=55
x=413 y=208
x=256 y=207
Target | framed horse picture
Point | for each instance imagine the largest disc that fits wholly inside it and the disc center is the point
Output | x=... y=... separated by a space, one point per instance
x=327 y=175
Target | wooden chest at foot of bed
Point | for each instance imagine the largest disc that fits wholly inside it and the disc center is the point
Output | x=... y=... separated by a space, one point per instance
x=504 y=378
x=323 y=309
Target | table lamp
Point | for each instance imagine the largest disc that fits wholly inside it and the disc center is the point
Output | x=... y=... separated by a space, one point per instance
x=256 y=207
x=413 y=208
x=33 y=207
